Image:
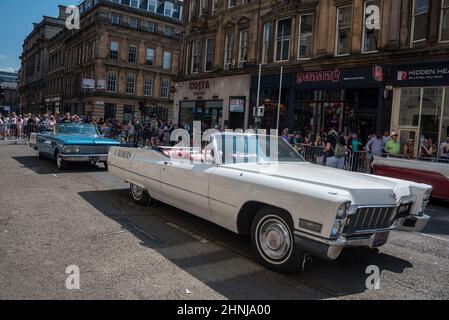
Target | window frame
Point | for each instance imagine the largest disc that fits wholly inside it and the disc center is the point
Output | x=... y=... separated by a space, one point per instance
x=311 y=34
x=208 y=53
x=127 y=84
x=163 y=88
x=440 y=32
x=196 y=44
x=412 y=30
x=337 y=31
x=229 y=50
x=266 y=42
x=129 y=53
x=365 y=30
x=282 y=39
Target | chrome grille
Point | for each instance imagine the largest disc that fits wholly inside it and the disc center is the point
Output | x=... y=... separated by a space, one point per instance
x=373 y=218
x=94 y=149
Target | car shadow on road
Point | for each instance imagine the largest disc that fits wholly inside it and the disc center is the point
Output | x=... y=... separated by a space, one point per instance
x=439 y=218
x=47 y=166
x=226 y=264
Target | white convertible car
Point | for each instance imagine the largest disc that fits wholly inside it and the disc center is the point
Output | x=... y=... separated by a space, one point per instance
x=260 y=186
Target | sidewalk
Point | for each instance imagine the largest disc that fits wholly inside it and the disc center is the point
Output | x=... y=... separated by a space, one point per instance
x=13 y=141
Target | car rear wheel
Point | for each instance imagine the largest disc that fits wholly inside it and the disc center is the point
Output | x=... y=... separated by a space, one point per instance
x=140 y=195
x=273 y=241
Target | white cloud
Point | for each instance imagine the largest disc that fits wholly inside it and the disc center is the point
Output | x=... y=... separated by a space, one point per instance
x=8 y=69
x=3 y=56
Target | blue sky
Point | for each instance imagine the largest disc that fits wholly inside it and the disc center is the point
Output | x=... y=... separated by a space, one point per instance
x=16 y=21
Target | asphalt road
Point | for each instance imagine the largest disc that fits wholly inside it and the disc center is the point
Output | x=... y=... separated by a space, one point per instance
x=50 y=220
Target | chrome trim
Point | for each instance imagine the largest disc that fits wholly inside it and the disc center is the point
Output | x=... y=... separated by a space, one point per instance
x=84 y=157
x=341 y=241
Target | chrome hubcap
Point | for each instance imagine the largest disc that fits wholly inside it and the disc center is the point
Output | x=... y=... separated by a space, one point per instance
x=274 y=239
x=137 y=191
x=59 y=160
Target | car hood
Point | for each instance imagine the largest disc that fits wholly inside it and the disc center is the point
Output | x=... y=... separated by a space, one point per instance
x=85 y=139
x=363 y=188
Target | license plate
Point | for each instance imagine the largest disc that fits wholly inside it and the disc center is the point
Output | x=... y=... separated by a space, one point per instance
x=380 y=239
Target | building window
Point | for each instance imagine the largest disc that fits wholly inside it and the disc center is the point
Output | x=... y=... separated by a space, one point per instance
x=371 y=26
x=152 y=5
x=134 y=3
x=243 y=48
x=283 y=38
x=444 y=21
x=112 y=81
x=266 y=42
x=148 y=87
x=152 y=27
x=214 y=7
x=115 y=18
x=209 y=59
x=133 y=23
x=420 y=21
x=232 y=3
x=128 y=113
x=305 y=36
x=196 y=56
x=192 y=9
x=202 y=8
x=150 y=57
x=168 y=31
x=113 y=54
x=344 y=27
x=130 y=83
x=164 y=88
x=168 y=9
x=132 y=54
x=228 y=51
x=167 y=60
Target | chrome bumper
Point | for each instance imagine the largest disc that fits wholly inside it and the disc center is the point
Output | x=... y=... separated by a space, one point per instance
x=85 y=157
x=331 y=249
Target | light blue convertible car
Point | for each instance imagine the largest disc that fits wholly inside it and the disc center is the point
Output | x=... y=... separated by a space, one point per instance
x=73 y=142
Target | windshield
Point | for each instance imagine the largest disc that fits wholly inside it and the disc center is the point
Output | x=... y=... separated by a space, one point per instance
x=77 y=128
x=244 y=148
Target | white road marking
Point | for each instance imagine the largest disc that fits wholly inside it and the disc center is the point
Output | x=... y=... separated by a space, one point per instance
x=187 y=232
x=434 y=237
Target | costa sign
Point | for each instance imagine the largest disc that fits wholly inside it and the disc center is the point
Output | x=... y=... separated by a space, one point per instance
x=199 y=85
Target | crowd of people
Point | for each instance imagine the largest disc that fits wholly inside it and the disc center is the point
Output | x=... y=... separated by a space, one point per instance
x=133 y=132
x=333 y=149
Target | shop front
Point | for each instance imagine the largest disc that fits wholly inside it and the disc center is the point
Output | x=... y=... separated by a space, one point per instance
x=347 y=99
x=421 y=104
x=216 y=102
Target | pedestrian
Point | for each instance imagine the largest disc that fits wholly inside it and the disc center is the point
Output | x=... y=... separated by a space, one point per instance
x=393 y=146
x=285 y=135
x=375 y=145
x=335 y=150
x=355 y=146
x=2 y=128
x=444 y=150
x=409 y=149
x=427 y=150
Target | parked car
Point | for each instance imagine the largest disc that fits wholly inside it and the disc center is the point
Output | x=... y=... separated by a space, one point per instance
x=433 y=173
x=291 y=208
x=72 y=142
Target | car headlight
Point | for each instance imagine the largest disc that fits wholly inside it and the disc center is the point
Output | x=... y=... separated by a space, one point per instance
x=342 y=212
x=337 y=228
x=71 y=150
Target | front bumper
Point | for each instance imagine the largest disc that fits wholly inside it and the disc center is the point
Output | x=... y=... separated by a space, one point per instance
x=85 y=157
x=329 y=249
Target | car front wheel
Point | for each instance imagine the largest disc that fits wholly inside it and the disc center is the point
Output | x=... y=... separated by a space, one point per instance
x=140 y=195
x=60 y=163
x=273 y=241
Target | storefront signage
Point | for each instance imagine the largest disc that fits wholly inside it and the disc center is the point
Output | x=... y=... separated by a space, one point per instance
x=431 y=74
x=101 y=84
x=199 y=85
x=88 y=83
x=330 y=76
x=423 y=74
x=236 y=105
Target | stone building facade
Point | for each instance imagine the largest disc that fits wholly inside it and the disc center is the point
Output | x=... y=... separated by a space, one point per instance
x=34 y=61
x=340 y=59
